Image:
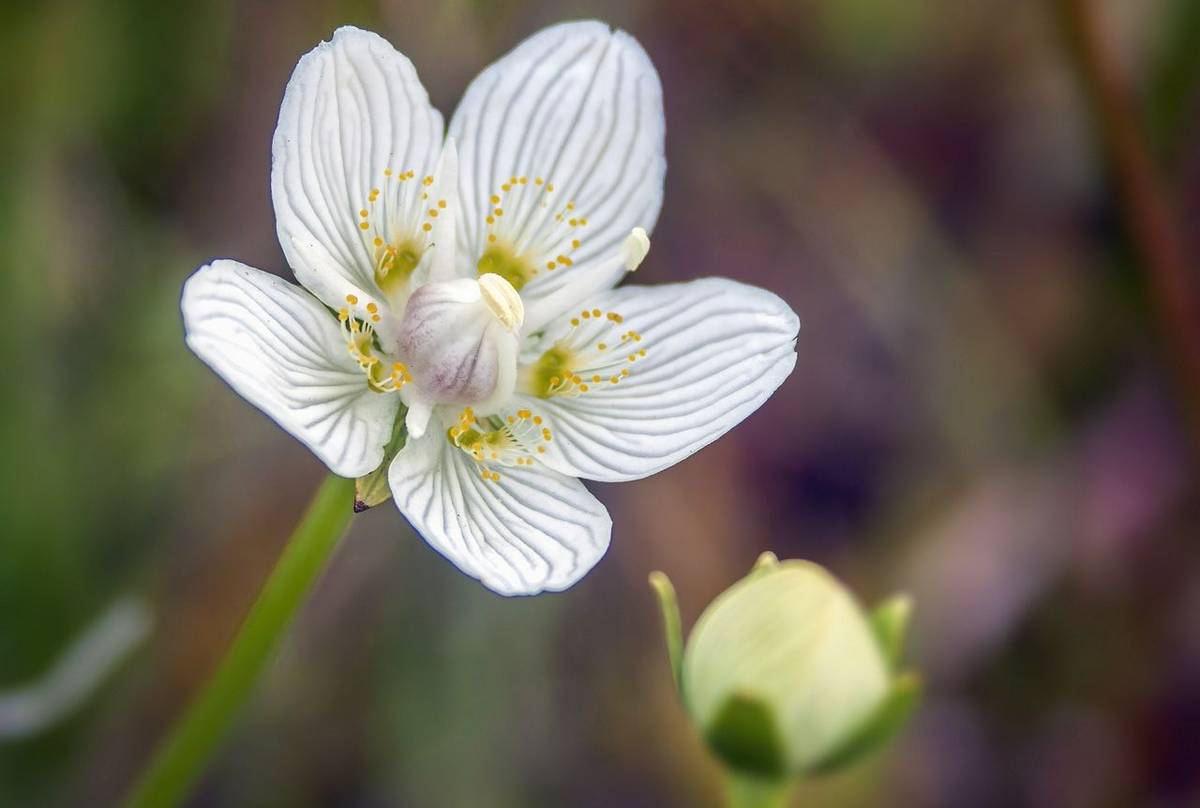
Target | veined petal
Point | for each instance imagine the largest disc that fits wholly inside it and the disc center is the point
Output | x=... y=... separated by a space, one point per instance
x=529 y=531
x=355 y=142
x=282 y=351
x=444 y=265
x=714 y=351
x=561 y=156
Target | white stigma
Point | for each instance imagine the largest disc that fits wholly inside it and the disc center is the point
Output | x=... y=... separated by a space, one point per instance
x=502 y=300
x=635 y=248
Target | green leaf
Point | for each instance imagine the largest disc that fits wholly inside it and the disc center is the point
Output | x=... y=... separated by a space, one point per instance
x=672 y=626
x=890 y=621
x=744 y=735
x=881 y=727
x=373 y=489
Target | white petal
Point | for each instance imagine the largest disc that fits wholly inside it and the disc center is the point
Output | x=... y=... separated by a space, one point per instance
x=444 y=265
x=353 y=109
x=531 y=531
x=420 y=411
x=715 y=351
x=580 y=106
x=281 y=350
x=586 y=282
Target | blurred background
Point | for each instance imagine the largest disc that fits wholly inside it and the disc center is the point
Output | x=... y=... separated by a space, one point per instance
x=983 y=213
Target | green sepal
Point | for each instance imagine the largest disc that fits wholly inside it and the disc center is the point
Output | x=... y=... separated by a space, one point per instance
x=745 y=737
x=373 y=489
x=890 y=621
x=672 y=626
x=883 y=725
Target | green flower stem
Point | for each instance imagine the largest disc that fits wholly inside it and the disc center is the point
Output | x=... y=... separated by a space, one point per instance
x=748 y=792
x=181 y=758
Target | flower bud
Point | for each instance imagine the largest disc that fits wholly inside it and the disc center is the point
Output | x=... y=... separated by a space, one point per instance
x=784 y=674
x=459 y=339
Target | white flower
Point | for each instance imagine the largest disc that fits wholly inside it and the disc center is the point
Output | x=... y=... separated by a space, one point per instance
x=465 y=284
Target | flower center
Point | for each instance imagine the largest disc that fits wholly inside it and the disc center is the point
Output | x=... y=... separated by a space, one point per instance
x=511 y=441
x=394 y=264
x=360 y=341
x=459 y=338
x=592 y=354
x=397 y=222
x=526 y=234
x=501 y=260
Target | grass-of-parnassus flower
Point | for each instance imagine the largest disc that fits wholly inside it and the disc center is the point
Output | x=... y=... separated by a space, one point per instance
x=456 y=334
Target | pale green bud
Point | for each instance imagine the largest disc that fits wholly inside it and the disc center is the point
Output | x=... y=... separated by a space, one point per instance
x=785 y=675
